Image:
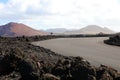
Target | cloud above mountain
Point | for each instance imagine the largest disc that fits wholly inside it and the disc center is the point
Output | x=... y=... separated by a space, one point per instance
x=61 y=13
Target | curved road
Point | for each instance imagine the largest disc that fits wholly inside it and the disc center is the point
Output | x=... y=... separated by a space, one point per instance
x=92 y=49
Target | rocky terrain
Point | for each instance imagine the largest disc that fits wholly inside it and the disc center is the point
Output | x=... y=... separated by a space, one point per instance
x=20 y=60
x=113 y=40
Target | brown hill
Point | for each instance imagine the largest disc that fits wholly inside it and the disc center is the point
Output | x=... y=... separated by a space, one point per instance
x=18 y=29
x=91 y=29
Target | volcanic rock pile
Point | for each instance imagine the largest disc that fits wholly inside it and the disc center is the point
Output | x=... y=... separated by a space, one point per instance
x=114 y=40
x=24 y=61
x=15 y=66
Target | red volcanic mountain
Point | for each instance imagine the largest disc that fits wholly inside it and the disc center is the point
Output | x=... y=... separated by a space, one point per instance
x=19 y=29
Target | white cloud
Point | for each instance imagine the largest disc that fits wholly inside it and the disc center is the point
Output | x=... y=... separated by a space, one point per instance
x=1 y=5
x=62 y=13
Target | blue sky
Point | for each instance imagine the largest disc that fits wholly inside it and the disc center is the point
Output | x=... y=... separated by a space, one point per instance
x=3 y=1
x=70 y=14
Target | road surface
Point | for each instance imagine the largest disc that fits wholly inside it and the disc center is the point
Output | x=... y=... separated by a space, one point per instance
x=92 y=49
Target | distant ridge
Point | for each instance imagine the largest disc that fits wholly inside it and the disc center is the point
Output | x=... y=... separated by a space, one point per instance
x=57 y=30
x=18 y=29
x=91 y=29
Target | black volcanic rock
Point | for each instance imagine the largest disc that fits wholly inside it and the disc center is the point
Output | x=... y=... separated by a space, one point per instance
x=113 y=40
x=21 y=60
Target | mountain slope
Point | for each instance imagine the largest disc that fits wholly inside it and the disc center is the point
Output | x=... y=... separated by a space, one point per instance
x=18 y=29
x=57 y=30
x=91 y=29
